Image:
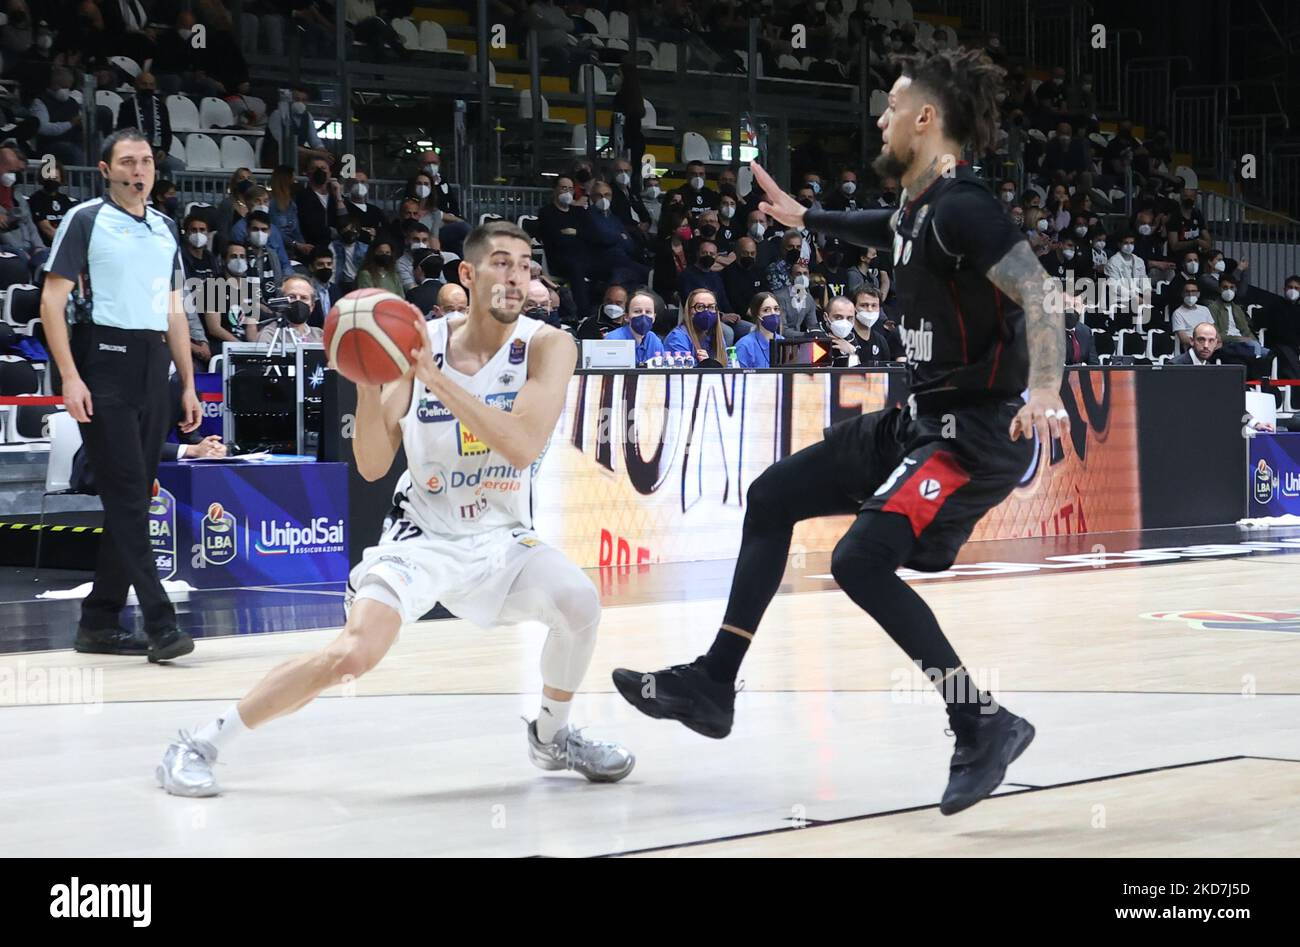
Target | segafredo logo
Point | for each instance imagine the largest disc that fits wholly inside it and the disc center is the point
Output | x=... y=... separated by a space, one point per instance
x=320 y=535
x=1280 y=621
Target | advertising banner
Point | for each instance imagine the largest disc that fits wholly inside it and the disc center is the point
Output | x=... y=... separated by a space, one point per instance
x=1274 y=474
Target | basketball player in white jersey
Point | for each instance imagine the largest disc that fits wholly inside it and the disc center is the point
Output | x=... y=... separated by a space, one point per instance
x=475 y=414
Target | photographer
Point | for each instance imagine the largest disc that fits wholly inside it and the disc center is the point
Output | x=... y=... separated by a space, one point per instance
x=300 y=298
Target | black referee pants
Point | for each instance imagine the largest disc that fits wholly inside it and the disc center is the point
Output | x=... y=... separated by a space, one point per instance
x=126 y=372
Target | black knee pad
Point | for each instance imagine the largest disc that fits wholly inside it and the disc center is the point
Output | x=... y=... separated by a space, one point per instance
x=874 y=547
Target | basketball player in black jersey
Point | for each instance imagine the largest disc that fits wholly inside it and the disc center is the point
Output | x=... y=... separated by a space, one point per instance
x=920 y=477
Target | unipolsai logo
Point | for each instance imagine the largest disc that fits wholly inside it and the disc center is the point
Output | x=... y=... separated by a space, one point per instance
x=162 y=530
x=219 y=535
x=1265 y=482
x=320 y=535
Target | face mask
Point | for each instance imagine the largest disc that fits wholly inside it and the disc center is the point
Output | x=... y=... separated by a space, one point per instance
x=1144 y=229
x=1127 y=248
x=771 y=322
x=704 y=321
x=258 y=238
x=1192 y=267
x=298 y=312
x=842 y=327
x=264 y=208
x=801 y=281
x=1220 y=266
x=348 y=236
x=1008 y=197
x=422 y=191
x=623 y=178
x=198 y=240
x=653 y=191
x=1081 y=231
x=565 y=198
x=727 y=211
x=868 y=317
x=44 y=42
x=1293 y=294
x=298 y=108
x=848 y=187
x=50 y=186
x=1068 y=254
x=792 y=256
x=613 y=312
x=431 y=170
x=757 y=230
x=1228 y=295
x=1018 y=220
x=1099 y=244
x=706 y=261
x=697 y=182
x=359 y=191
x=641 y=324
x=383 y=259
x=324 y=274
x=708 y=230
x=602 y=204
x=237 y=265
x=684 y=232
x=419 y=246
x=540 y=313
x=319 y=176
x=1042 y=226
x=1190 y=300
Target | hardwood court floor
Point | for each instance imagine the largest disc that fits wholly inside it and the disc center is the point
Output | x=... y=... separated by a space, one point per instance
x=1155 y=736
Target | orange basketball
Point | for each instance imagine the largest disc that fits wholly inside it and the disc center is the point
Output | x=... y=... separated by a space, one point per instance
x=368 y=335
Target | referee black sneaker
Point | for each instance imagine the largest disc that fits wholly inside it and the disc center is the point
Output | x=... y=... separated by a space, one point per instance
x=115 y=640
x=684 y=692
x=986 y=745
x=172 y=643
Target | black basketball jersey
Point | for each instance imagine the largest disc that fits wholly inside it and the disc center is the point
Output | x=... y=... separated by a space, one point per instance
x=964 y=338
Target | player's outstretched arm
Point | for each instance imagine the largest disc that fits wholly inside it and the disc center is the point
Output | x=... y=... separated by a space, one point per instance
x=378 y=432
x=519 y=434
x=862 y=228
x=1020 y=275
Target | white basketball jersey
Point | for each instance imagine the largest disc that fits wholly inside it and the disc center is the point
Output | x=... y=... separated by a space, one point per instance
x=454 y=484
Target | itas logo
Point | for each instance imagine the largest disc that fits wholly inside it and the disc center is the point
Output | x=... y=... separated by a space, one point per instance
x=162 y=530
x=219 y=536
x=1265 y=482
x=469 y=445
x=278 y=539
x=517 y=348
x=1280 y=621
x=430 y=412
x=470 y=511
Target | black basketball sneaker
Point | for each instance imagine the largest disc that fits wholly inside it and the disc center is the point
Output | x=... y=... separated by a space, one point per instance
x=684 y=692
x=986 y=745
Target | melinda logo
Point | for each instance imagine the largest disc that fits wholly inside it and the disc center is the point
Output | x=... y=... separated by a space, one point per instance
x=77 y=900
x=320 y=535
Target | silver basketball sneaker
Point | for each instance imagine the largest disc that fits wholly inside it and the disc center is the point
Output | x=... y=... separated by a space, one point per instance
x=600 y=762
x=186 y=767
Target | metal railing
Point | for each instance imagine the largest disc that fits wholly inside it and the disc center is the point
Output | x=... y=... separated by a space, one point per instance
x=1282 y=177
x=1270 y=241
x=1199 y=112
x=1247 y=136
x=1148 y=84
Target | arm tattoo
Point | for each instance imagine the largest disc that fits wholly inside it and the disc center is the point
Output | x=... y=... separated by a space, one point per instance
x=1021 y=277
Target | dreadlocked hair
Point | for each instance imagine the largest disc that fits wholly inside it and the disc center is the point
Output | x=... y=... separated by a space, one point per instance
x=966 y=82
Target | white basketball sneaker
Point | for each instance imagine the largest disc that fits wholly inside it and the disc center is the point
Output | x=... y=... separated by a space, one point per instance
x=600 y=762
x=186 y=768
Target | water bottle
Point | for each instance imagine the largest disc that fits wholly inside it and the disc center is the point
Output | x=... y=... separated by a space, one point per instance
x=732 y=361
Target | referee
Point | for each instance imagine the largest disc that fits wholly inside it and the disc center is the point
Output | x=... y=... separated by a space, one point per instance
x=125 y=258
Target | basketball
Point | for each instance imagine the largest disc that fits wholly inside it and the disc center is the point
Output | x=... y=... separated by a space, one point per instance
x=368 y=334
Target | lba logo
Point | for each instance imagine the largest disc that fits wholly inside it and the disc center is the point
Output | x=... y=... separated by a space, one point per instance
x=219 y=536
x=1265 y=482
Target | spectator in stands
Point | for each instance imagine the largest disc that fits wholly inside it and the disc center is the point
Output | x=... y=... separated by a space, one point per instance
x=298 y=289
x=295 y=116
x=1186 y=225
x=350 y=252
x=560 y=225
x=1037 y=228
x=427 y=279
x=708 y=226
x=357 y=204
x=889 y=190
x=866 y=273
x=1058 y=210
x=320 y=203
x=1127 y=273
x=868 y=314
x=378 y=34
x=702 y=275
x=146 y=111
x=228 y=325
x=699 y=330
x=613 y=307
x=767 y=237
x=259 y=199
x=1007 y=191
x=320 y=266
x=1100 y=256
x=1059 y=262
x=652 y=197
x=1281 y=320
x=840 y=319
x=452 y=228
x=779 y=272
x=1191 y=313
x=452 y=300
x=798 y=307
x=283 y=211
x=742 y=278
x=1204 y=348
x=637 y=325
x=845 y=197
x=628 y=207
x=696 y=197
x=754 y=350
x=1233 y=324
x=730 y=227
x=1080 y=349
x=59 y=132
x=128 y=22
x=611 y=253
x=248 y=110
x=831 y=267
x=417 y=238
x=537 y=301
x=1216 y=267
x=380 y=270
x=233 y=206
x=263 y=261
x=1051 y=97
x=201 y=273
x=50 y=204
x=1066 y=153
x=1081 y=103
x=1150 y=243
x=165 y=197
x=1017 y=214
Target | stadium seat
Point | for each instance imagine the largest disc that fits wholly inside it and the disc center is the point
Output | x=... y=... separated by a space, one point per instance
x=1104 y=342
x=407 y=32
x=202 y=153
x=126 y=64
x=237 y=152
x=694 y=148
x=433 y=39
x=597 y=19
x=215 y=113
x=77 y=96
x=526 y=108
x=744 y=180
x=13 y=271
x=24 y=423
x=1160 y=344
x=177 y=150
x=879 y=102
x=668 y=57
x=618 y=24
x=110 y=100
x=650 y=121
x=786 y=61
x=22 y=308
x=598 y=80
x=18 y=376
x=182 y=113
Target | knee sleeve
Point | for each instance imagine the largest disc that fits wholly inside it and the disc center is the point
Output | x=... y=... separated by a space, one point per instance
x=554 y=591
